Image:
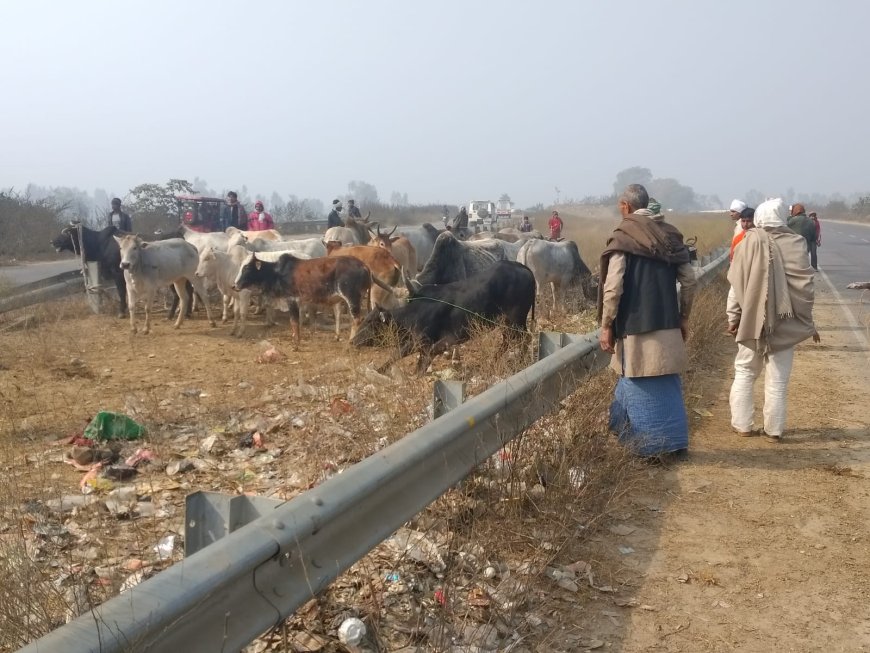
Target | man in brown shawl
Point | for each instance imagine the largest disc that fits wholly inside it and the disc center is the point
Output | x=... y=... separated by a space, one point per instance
x=644 y=322
x=770 y=310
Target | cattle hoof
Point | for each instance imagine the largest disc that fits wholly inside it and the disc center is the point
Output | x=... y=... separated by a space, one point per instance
x=213 y=324
x=145 y=332
x=122 y=315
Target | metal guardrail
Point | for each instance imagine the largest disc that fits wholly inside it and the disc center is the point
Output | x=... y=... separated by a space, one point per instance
x=224 y=596
x=60 y=285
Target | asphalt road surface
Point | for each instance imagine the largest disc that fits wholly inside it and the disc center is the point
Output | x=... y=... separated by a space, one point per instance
x=29 y=272
x=844 y=257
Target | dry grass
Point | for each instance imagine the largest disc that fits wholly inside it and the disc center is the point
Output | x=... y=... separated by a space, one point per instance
x=530 y=508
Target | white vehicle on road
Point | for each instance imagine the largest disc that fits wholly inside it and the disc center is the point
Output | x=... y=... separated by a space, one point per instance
x=480 y=212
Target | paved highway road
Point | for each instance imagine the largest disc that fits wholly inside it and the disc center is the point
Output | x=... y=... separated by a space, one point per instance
x=28 y=272
x=844 y=257
x=845 y=252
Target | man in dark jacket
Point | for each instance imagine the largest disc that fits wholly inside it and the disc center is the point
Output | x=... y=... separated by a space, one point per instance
x=802 y=225
x=334 y=217
x=353 y=210
x=117 y=218
x=644 y=323
x=233 y=214
x=460 y=222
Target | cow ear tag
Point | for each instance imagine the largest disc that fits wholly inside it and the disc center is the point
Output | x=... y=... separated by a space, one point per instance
x=257 y=264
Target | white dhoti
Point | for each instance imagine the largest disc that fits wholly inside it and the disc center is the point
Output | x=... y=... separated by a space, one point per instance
x=747 y=366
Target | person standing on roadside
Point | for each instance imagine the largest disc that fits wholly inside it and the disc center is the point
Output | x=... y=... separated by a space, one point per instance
x=259 y=220
x=334 y=217
x=800 y=223
x=644 y=324
x=525 y=225
x=814 y=248
x=736 y=209
x=233 y=213
x=460 y=222
x=118 y=218
x=769 y=310
x=353 y=210
x=555 y=224
x=746 y=222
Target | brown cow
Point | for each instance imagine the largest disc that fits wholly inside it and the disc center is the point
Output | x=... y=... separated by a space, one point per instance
x=381 y=263
x=314 y=281
x=399 y=246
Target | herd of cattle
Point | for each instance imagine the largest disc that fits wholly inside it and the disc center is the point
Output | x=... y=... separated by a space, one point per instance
x=450 y=282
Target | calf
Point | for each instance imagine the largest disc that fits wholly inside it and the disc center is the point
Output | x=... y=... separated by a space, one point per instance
x=316 y=281
x=151 y=266
x=437 y=317
x=222 y=269
x=383 y=267
x=399 y=246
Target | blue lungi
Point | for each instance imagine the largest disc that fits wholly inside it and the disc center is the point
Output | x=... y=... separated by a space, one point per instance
x=649 y=416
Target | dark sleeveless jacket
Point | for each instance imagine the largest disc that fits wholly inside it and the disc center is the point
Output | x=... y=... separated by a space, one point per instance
x=649 y=299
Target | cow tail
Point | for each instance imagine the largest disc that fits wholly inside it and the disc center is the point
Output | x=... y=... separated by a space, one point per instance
x=380 y=283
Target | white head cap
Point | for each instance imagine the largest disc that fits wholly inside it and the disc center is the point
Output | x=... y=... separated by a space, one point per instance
x=737 y=205
x=771 y=213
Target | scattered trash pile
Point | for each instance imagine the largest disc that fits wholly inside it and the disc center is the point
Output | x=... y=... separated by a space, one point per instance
x=119 y=518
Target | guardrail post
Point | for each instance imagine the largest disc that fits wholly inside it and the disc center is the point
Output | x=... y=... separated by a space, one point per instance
x=447 y=395
x=209 y=516
x=549 y=342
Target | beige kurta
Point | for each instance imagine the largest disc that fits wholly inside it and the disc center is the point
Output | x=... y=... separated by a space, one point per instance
x=647 y=354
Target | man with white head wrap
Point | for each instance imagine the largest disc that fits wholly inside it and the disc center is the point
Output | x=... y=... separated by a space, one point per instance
x=737 y=207
x=770 y=310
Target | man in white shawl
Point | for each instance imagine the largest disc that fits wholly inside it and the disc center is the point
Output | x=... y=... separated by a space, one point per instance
x=770 y=310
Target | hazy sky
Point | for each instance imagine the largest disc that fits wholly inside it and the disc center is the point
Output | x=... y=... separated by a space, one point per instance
x=444 y=101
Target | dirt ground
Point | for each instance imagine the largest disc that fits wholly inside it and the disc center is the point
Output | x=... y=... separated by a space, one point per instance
x=747 y=546
x=753 y=546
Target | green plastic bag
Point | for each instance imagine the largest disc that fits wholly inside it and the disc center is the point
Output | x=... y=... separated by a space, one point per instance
x=112 y=426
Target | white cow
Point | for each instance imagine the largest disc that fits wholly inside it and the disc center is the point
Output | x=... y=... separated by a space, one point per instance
x=556 y=264
x=148 y=267
x=221 y=268
x=510 y=249
x=311 y=247
x=265 y=234
x=342 y=235
x=522 y=235
x=203 y=241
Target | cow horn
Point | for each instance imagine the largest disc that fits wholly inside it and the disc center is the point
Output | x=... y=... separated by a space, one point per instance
x=368 y=215
x=378 y=228
x=410 y=284
x=392 y=231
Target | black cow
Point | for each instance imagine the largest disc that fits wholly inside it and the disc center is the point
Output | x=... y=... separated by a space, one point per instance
x=437 y=317
x=453 y=259
x=98 y=246
x=102 y=248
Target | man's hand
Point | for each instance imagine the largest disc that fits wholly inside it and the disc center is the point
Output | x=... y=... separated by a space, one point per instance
x=606 y=340
x=732 y=329
x=684 y=327
x=816 y=337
